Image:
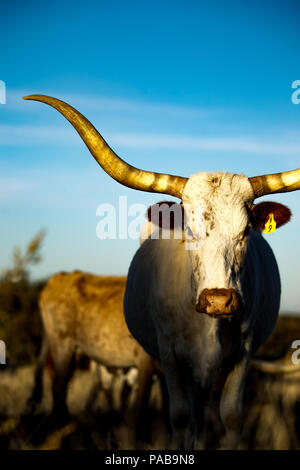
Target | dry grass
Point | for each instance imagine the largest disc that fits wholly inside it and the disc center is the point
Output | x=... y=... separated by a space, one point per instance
x=98 y=413
x=97 y=421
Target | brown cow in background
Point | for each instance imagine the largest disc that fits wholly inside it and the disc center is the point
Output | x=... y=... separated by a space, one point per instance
x=85 y=311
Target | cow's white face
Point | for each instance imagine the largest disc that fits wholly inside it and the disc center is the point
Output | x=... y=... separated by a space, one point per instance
x=218 y=210
x=216 y=237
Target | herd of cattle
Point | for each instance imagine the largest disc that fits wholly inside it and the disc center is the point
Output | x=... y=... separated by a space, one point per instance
x=201 y=297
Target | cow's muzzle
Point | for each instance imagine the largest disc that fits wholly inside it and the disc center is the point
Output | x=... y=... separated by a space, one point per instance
x=218 y=302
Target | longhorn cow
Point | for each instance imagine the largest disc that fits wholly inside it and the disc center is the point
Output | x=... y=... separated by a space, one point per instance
x=204 y=302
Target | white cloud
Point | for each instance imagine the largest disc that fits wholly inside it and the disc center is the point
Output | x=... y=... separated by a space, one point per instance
x=98 y=103
x=287 y=143
x=30 y=135
x=12 y=188
x=235 y=144
x=21 y=135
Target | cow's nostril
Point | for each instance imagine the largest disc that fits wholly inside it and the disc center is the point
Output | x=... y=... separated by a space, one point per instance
x=229 y=301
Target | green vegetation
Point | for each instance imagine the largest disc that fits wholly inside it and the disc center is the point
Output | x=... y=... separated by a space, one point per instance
x=20 y=323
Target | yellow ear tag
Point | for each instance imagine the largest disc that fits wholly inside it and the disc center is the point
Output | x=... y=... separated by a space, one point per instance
x=270 y=226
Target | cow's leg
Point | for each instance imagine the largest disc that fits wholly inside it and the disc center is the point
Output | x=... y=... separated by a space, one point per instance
x=204 y=415
x=231 y=403
x=145 y=373
x=62 y=352
x=36 y=396
x=116 y=390
x=179 y=405
x=144 y=380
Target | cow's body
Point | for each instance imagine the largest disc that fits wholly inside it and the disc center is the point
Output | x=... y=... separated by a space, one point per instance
x=203 y=358
x=147 y=302
x=85 y=311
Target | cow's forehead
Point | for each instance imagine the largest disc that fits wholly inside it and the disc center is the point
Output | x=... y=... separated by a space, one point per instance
x=216 y=202
x=220 y=188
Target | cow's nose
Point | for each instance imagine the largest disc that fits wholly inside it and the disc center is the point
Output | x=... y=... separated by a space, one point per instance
x=218 y=302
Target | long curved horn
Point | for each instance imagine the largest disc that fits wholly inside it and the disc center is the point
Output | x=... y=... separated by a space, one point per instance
x=276 y=183
x=108 y=159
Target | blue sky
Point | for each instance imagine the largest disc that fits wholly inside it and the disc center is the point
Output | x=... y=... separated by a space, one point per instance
x=173 y=86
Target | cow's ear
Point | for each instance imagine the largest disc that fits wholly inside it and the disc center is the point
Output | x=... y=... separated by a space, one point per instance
x=155 y=214
x=260 y=214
